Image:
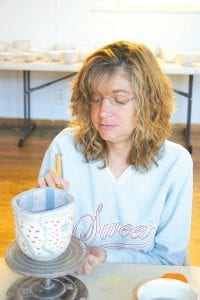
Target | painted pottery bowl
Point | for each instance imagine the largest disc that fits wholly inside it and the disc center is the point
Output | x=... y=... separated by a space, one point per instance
x=43 y=222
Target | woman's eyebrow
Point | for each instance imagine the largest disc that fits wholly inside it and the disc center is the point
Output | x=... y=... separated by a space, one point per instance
x=120 y=90
x=115 y=91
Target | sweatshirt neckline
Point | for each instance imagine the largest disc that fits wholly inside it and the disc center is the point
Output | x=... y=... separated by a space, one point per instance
x=122 y=179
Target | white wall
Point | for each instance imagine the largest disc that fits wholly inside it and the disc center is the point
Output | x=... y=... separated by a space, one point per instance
x=72 y=22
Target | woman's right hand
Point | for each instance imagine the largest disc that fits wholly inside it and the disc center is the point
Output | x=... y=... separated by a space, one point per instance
x=53 y=180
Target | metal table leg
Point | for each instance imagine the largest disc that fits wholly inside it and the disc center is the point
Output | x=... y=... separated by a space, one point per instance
x=28 y=125
x=187 y=130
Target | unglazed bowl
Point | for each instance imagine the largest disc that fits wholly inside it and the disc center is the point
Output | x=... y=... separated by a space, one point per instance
x=30 y=56
x=7 y=55
x=23 y=45
x=43 y=222
x=187 y=58
x=55 y=55
x=3 y=46
x=71 y=56
x=167 y=54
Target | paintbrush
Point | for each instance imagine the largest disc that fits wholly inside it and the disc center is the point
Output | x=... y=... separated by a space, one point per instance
x=59 y=168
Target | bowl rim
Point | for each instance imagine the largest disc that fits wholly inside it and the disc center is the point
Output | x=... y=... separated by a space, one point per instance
x=70 y=203
x=174 y=282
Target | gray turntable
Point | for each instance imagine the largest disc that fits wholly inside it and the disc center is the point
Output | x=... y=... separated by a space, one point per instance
x=50 y=280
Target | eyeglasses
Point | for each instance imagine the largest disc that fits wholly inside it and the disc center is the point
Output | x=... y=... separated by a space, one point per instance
x=115 y=101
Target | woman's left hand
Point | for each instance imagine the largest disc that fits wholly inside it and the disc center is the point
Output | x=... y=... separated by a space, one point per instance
x=96 y=257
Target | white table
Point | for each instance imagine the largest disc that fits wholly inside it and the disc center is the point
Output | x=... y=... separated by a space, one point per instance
x=71 y=70
x=112 y=281
x=168 y=68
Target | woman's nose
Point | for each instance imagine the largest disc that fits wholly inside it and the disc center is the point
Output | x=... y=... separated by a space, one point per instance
x=106 y=108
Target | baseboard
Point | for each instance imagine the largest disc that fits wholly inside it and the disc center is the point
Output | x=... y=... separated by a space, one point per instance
x=18 y=122
x=61 y=123
x=182 y=126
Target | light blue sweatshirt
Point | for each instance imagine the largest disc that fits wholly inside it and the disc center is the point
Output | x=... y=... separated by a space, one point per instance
x=140 y=217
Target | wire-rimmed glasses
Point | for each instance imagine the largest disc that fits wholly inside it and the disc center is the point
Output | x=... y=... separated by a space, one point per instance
x=119 y=100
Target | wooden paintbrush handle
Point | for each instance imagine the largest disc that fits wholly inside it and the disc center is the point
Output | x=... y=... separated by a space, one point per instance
x=59 y=167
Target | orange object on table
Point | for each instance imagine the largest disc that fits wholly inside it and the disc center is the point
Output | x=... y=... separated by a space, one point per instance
x=177 y=276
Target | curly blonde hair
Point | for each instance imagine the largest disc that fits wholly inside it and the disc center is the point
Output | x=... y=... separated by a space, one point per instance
x=153 y=101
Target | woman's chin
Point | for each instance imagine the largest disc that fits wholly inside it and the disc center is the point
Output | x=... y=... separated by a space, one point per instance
x=108 y=138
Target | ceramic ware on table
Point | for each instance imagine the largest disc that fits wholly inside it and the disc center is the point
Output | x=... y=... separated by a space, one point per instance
x=166 y=289
x=22 y=45
x=55 y=55
x=30 y=56
x=41 y=53
x=71 y=56
x=187 y=58
x=7 y=55
x=167 y=54
x=43 y=222
x=3 y=46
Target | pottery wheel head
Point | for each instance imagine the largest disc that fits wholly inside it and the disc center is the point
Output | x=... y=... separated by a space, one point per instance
x=67 y=263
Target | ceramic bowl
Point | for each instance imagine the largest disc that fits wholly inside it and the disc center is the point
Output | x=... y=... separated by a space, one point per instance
x=71 y=56
x=30 y=56
x=55 y=55
x=41 y=53
x=43 y=222
x=3 y=46
x=166 y=289
x=167 y=54
x=22 y=45
x=7 y=55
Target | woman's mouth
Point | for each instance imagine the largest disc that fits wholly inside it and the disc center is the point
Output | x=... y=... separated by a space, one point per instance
x=106 y=126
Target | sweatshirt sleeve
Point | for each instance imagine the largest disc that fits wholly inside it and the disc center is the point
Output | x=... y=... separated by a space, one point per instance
x=48 y=161
x=173 y=232
x=59 y=144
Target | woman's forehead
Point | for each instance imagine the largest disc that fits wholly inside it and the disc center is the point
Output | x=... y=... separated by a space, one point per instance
x=110 y=79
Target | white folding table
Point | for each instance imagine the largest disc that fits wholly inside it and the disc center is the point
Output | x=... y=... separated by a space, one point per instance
x=71 y=70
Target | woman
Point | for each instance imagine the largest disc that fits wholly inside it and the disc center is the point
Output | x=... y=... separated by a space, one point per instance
x=133 y=187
